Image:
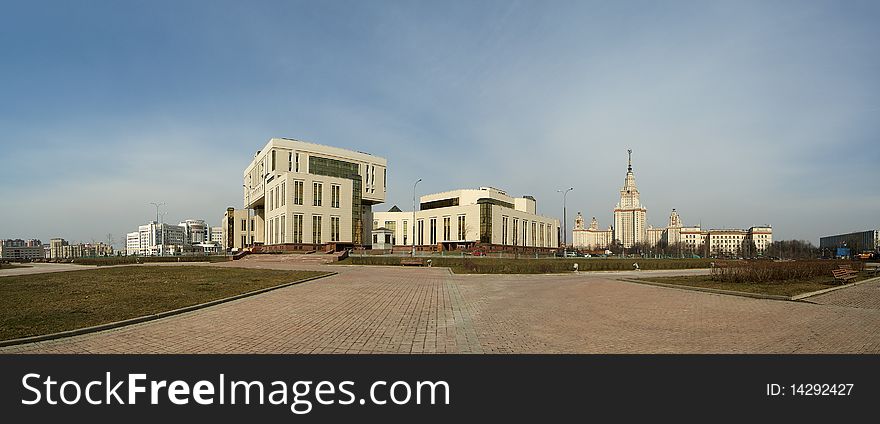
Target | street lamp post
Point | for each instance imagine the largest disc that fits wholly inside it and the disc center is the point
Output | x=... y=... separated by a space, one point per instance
x=162 y=232
x=157 y=215
x=414 y=218
x=564 y=220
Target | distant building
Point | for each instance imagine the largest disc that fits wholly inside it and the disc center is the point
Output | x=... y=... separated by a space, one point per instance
x=630 y=230
x=192 y=236
x=216 y=235
x=857 y=242
x=56 y=248
x=59 y=248
x=195 y=231
x=629 y=215
x=591 y=238
x=464 y=218
x=18 y=249
x=156 y=239
x=238 y=229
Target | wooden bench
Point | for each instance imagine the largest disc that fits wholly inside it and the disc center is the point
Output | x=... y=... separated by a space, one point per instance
x=413 y=261
x=843 y=275
x=848 y=268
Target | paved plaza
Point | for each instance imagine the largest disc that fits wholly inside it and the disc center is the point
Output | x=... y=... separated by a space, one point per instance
x=430 y=310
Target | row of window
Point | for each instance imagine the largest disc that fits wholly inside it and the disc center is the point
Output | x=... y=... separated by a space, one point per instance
x=538 y=231
x=276 y=229
x=277 y=196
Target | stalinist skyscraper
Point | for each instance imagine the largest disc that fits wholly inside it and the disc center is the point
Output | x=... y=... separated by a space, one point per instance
x=629 y=215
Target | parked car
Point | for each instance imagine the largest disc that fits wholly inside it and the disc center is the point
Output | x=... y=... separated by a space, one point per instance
x=477 y=253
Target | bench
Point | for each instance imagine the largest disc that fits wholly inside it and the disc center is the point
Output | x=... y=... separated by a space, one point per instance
x=413 y=261
x=848 y=268
x=843 y=275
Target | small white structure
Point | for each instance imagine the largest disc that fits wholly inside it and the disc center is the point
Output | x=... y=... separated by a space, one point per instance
x=382 y=238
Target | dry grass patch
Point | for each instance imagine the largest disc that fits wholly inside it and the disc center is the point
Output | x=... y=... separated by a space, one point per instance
x=779 y=288
x=47 y=303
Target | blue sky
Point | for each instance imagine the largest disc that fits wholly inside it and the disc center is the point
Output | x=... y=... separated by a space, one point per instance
x=739 y=113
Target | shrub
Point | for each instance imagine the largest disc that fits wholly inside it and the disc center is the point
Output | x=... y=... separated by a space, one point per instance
x=764 y=271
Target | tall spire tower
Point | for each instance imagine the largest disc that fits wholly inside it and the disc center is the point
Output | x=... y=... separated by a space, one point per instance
x=629 y=215
x=629 y=167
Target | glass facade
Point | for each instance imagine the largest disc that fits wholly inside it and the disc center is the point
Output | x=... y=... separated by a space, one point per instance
x=348 y=170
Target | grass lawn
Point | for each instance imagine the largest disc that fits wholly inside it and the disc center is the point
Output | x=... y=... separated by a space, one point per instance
x=533 y=266
x=780 y=288
x=47 y=303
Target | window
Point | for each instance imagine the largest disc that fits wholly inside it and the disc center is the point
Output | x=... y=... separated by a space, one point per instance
x=316 y=229
x=420 y=234
x=433 y=231
x=317 y=188
x=334 y=228
x=462 y=229
x=503 y=230
x=534 y=237
x=273 y=160
x=270 y=199
x=243 y=241
x=525 y=228
x=252 y=224
x=282 y=229
x=297 y=228
x=447 y=228
x=298 y=192
x=243 y=225
x=275 y=240
x=283 y=186
x=515 y=225
x=334 y=196
x=405 y=228
x=392 y=225
x=297 y=164
x=277 y=190
x=541 y=232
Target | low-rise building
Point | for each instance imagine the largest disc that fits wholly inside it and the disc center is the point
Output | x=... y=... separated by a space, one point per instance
x=857 y=242
x=18 y=249
x=486 y=217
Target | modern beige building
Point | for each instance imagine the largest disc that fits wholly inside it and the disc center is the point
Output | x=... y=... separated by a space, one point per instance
x=465 y=218
x=305 y=195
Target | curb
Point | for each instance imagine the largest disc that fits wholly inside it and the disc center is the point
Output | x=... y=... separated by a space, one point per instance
x=831 y=289
x=158 y=315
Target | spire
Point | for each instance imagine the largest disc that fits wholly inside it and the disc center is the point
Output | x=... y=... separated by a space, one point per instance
x=629 y=167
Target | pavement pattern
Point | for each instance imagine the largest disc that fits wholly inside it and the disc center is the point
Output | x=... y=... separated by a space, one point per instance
x=370 y=309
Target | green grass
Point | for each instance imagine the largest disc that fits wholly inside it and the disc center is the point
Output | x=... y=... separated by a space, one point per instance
x=535 y=266
x=47 y=303
x=125 y=260
x=780 y=288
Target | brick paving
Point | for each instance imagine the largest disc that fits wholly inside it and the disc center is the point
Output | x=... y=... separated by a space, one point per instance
x=865 y=295
x=429 y=310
